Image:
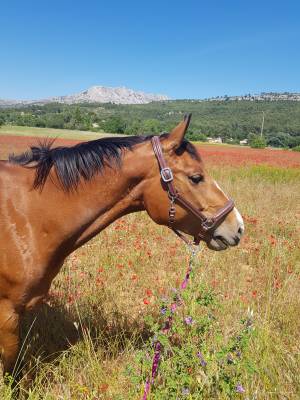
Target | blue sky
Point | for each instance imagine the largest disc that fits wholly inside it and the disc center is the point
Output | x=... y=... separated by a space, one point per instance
x=185 y=49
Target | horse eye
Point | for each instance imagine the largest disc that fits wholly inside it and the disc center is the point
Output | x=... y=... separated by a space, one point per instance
x=196 y=178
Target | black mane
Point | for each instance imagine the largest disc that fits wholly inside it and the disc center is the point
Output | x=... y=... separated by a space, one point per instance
x=71 y=164
x=83 y=160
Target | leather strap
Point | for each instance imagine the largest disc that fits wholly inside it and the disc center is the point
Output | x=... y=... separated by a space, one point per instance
x=208 y=225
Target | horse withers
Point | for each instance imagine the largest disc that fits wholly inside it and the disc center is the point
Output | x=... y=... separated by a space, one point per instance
x=55 y=199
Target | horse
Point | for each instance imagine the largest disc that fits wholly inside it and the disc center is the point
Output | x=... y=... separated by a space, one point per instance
x=55 y=199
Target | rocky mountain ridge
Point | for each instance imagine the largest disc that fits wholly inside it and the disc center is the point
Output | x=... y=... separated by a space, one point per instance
x=95 y=94
x=123 y=95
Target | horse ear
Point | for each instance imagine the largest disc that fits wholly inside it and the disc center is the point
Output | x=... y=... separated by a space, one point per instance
x=176 y=136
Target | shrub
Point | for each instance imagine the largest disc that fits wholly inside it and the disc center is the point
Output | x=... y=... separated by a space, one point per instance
x=257 y=141
x=275 y=142
x=297 y=148
x=151 y=126
x=196 y=137
x=114 y=124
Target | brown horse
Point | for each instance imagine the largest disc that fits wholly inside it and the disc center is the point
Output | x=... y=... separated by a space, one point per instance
x=53 y=200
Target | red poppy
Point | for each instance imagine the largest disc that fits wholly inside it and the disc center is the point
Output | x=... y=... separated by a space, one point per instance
x=277 y=284
x=103 y=388
x=99 y=282
x=149 y=292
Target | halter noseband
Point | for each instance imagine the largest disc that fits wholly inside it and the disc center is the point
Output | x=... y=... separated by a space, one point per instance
x=207 y=224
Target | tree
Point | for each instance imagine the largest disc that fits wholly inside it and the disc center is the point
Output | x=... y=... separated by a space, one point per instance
x=134 y=128
x=257 y=141
x=275 y=141
x=196 y=137
x=293 y=141
x=114 y=124
x=151 y=126
x=2 y=120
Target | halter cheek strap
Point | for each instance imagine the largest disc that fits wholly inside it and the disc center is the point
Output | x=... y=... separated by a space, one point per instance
x=207 y=224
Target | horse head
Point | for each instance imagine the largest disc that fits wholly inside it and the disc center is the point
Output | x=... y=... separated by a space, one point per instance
x=181 y=194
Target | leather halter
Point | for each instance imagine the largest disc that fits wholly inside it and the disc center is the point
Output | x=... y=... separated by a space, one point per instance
x=207 y=224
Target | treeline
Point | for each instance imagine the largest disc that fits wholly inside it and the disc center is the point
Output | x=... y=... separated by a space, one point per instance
x=231 y=120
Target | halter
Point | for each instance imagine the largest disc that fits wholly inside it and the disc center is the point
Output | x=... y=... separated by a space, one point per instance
x=207 y=224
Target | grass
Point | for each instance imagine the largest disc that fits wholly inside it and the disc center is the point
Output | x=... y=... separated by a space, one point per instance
x=49 y=132
x=92 y=340
x=254 y=173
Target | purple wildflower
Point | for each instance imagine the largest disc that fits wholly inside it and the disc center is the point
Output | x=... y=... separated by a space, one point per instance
x=173 y=307
x=154 y=340
x=163 y=310
x=230 y=359
x=185 y=391
x=188 y=320
x=201 y=358
x=156 y=358
x=239 y=388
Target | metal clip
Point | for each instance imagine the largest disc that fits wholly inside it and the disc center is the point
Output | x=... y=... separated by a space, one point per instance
x=194 y=250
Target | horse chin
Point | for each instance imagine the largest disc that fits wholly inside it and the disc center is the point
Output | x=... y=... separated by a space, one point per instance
x=217 y=244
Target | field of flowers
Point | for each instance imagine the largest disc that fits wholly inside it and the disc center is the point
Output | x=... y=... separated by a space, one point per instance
x=236 y=333
x=13 y=141
x=241 y=156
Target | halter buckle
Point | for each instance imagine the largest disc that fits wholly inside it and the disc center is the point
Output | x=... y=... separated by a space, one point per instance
x=166 y=174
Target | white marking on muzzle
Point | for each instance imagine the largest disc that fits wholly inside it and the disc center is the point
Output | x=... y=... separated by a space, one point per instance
x=239 y=219
x=216 y=183
x=238 y=216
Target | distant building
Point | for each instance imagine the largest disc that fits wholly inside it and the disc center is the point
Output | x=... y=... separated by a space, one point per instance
x=214 y=140
x=95 y=125
x=244 y=142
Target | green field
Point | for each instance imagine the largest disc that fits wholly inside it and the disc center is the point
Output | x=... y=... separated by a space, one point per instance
x=50 y=132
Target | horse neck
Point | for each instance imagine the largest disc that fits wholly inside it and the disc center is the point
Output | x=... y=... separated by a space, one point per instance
x=107 y=197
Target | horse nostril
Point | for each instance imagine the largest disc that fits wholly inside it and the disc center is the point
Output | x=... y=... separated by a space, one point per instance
x=240 y=230
x=236 y=240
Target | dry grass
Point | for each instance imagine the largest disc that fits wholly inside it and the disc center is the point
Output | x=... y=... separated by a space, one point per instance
x=93 y=326
x=18 y=138
x=26 y=131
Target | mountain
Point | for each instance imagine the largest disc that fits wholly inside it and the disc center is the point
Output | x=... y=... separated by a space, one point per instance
x=122 y=95
x=95 y=94
x=102 y=94
x=7 y=102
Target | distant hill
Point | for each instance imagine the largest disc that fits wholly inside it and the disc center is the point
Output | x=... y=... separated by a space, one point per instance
x=95 y=94
x=123 y=95
x=270 y=96
x=231 y=120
